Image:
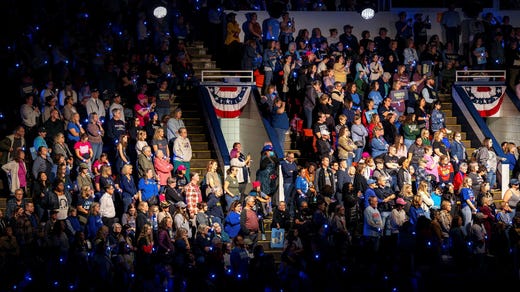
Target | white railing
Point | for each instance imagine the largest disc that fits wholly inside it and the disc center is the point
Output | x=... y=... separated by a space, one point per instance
x=472 y=76
x=228 y=76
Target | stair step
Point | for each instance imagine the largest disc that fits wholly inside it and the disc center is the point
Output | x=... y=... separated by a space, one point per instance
x=199 y=55
x=446 y=105
x=196 y=129
x=454 y=127
x=448 y=112
x=199 y=145
x=467 y=143
x=193 y=51
x=202 y=154
x=451 y=120
x=192 y=122
x=197 y=137
x=204 y=66
x=191 y=113
x=199 y=162
x=196 y=45
x=202 y=60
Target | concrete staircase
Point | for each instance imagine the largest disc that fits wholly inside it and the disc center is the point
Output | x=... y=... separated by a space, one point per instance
x=452 y=124
x=203 y=150
x=200 y=58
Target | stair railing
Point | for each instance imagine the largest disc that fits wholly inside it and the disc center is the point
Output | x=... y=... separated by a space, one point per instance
x=214 y=129
x=228 y=76
x=490 y=77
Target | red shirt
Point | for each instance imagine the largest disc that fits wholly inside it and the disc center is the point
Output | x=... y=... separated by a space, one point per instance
x=457 y=181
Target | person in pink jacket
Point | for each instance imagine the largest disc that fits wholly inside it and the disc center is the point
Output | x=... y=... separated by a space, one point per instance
x=163 y=168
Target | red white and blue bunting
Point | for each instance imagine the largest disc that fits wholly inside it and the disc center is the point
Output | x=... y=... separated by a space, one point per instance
x=486 y=99
x=228 y=101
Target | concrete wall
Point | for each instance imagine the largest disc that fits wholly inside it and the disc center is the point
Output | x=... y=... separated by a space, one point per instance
x=505 y=128
x=249 y=130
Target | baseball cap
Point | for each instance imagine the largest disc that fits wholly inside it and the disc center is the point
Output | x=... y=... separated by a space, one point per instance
x=180 y=204
x=181 y=167
x=400 y=201
x=371 y=181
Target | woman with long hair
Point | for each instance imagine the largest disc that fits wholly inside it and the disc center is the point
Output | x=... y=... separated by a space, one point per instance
x=60 y=147
x=488 y=158
x=94 y=221
x=352 y=94
x=181 y=217
x=410 y=130
x=400 y=146
x=231 y=190
x=122 y=157
x=17 y=170
x=232 y=220
x=468 y=204
x=144 y=254
x=40 y=188
x=212 y=178
x=341 y=70
x=159 y=142
x=128 y=186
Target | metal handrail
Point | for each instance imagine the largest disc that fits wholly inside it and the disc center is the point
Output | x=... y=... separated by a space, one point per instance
x=243 y=76
x=473 y=76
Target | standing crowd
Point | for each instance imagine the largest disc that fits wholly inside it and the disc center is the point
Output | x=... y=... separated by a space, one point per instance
x=115 y=204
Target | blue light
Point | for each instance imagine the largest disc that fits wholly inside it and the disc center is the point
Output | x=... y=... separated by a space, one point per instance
x=1 y=115
x=326 y=226
x=17 y=65
x=344 y=269
x=229 y=271
x=239 y=276
x=66 y=61
x=86 y=120
x=45 y=62
x=56 y=283
x=145 y=22
x=85 y=15
x=37 y=28
x=132 y=275
x=28 y=277
x=71 y=287
x=317 y=256
x=109 y=49
x=120 y=33
x=213 y=276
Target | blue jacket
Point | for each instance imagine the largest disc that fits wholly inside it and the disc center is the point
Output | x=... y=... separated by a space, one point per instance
x=232 y=224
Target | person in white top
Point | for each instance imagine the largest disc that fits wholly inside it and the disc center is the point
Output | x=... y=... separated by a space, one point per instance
x=107 y=209
x=68 y=91
x=94 y=104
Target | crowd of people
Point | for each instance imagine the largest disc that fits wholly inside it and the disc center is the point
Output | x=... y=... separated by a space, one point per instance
x=387 y=188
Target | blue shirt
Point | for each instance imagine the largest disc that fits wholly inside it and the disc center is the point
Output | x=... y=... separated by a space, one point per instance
x=465 y=194
x=69 y=135
x=148 y=188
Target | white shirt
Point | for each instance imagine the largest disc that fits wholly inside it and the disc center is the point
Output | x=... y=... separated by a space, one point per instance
x=106 y=206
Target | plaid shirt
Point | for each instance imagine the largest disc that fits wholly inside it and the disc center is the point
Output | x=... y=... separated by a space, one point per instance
x=193 y=196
